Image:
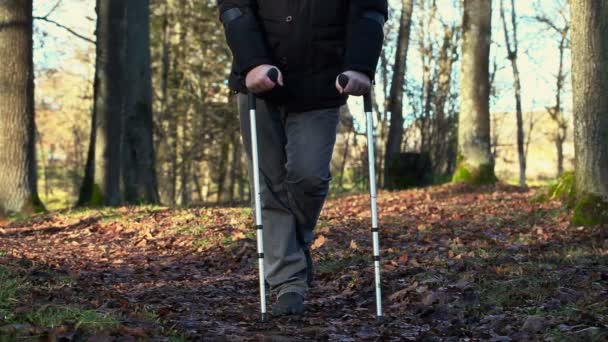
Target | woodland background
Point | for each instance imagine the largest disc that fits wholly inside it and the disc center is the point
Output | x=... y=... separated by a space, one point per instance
x=124 y=205
x=198 y=156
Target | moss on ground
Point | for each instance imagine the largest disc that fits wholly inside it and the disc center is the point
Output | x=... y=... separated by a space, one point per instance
x=590 y=210
x=96 y=196
x=466 y=173
x=562 y=189
x=587 y=209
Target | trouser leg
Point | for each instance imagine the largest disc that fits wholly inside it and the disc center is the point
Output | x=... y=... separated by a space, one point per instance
x=294 y=153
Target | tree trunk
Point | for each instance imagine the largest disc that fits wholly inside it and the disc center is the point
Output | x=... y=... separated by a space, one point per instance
x=512 y=51
x=559 y=146
x=475 y=163
x=88 y=188
x=395 y=104
x=221 y=170
x=18 y=179
x=175 y=119
x=441 y=129
x=163 y=147
x=235 y=165
x=590 y=85
x=344 y=160
x=109 y=102
x=556 y=113
x=139 y=171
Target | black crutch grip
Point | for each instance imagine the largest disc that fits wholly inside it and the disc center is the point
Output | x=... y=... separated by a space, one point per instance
x=343 y=80
x=367 y=98
x=273 y=74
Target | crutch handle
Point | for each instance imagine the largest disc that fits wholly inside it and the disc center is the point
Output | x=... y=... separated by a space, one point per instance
x=343 y=80
x=367 y=98
x=273 y=74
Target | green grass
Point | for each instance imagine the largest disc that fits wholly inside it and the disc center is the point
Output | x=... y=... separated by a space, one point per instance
x=58 y=199
x=50 y=316
x=145 y=313
x=13 y=291
x=191 y=229
x=11 y=288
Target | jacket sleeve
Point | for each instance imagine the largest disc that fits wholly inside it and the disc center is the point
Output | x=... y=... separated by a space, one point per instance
x=365 y=35
x=243 y=34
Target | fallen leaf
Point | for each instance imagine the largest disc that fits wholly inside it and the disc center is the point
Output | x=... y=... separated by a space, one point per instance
x=320 y=241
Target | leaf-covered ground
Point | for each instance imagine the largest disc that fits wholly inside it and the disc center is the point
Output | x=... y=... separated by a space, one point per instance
x=458 y=264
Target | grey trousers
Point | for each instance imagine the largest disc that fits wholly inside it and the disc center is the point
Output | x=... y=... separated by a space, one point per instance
x=295 y=151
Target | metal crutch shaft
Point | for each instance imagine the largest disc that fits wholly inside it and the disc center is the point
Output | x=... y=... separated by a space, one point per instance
x=367 y=105
x=273 y=75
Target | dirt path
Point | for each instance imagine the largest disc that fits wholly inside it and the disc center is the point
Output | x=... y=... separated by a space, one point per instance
x=486 y=265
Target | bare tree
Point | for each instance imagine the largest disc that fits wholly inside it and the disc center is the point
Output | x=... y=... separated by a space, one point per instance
x=512 y=45
x=556 y=112
x=442 y=123
x=395 y=104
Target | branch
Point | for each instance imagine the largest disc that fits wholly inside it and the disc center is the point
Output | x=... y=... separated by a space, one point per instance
x=543 y=19
x=65 y=28
x=53 y=9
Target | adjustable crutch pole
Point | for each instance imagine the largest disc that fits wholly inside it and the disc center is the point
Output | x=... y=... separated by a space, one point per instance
x=367 y=105
x=273 y=75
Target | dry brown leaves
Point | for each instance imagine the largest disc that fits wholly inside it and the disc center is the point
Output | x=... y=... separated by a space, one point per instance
x=457 y=262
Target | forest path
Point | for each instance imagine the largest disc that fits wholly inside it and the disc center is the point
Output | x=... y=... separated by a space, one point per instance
x=457 y=263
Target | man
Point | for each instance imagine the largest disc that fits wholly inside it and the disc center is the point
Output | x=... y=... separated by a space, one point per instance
x=310 y=42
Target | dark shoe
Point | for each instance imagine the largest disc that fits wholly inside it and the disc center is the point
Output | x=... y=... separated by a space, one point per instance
x=289 y=303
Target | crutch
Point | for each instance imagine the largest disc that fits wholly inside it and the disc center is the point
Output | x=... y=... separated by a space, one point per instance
x=367 y=106
x=273 y=75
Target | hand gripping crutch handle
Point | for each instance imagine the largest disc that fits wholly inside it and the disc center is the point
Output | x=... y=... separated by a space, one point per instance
x=273 y=74
x=367 y=98
x=367 y=104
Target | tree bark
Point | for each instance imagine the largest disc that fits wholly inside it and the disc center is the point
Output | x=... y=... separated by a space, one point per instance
x=18 y=179
x=475 y=163
x=139 y=171
x=395 y=104
x=121 y=146
x=109 y=102
x=512 y=51
x=235 y=164
x=590 y=86
x=441 y=136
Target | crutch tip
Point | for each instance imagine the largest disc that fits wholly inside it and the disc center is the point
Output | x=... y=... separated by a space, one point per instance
x=380 y=318
x=264 y=317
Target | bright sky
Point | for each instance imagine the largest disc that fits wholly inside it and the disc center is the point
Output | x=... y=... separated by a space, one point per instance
x=52 y=44
x=538 y=57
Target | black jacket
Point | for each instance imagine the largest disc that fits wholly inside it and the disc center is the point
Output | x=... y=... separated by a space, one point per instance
x=311 y=41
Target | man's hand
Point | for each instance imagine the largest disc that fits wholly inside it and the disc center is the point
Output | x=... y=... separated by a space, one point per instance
x=257 y=80
x=358 y=83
